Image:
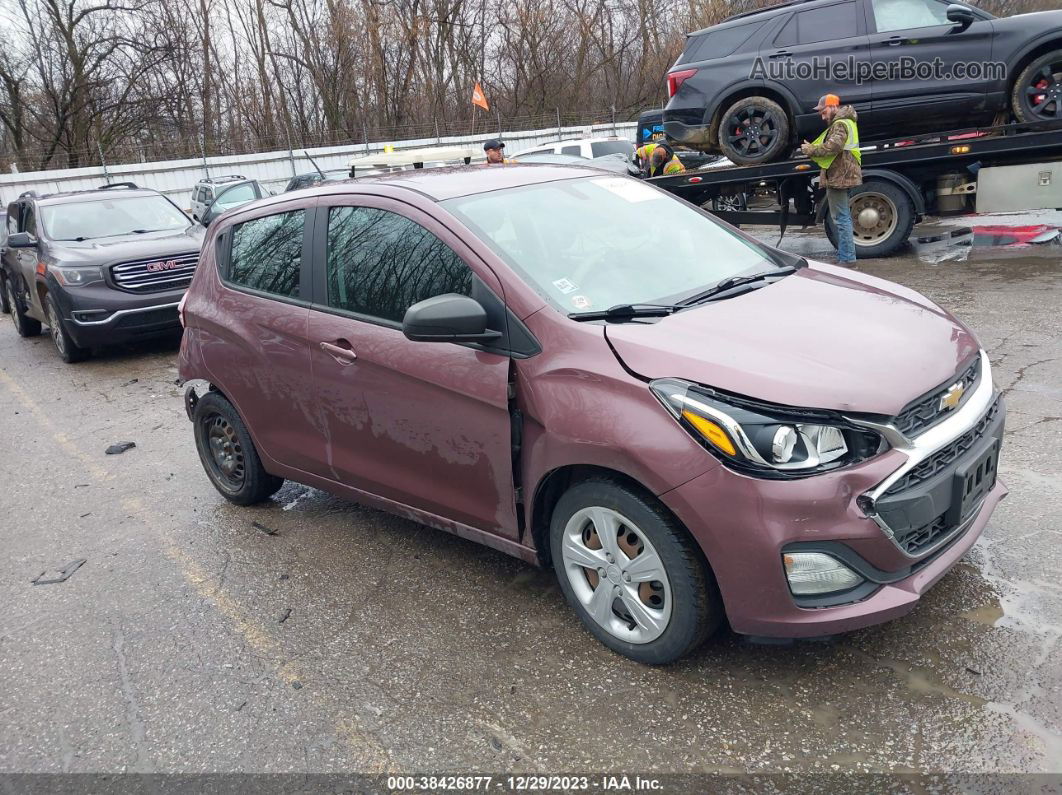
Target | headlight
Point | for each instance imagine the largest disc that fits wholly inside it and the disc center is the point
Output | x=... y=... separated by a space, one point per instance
x=76 y=277
x=763 y=439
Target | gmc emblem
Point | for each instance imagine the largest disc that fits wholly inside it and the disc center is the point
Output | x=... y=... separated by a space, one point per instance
x=168 y=265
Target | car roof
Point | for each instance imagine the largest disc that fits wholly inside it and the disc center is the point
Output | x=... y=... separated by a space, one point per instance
x=71 y=197
x=440 y=184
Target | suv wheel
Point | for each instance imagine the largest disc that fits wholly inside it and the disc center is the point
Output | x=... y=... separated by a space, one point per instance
x=632 y=572
x=69 y=351
x=754 y=130
x=5 y=302
x=24 y=325
x=1037 y=93
x=228 y=453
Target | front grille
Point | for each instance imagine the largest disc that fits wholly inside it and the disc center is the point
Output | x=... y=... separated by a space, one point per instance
x=941 y=459
x=926 y=412
x=922 y=538
x=155 y=274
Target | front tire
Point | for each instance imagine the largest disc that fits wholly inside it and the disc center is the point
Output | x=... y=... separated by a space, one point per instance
x=636 y=579
x=25 y=326
x=1037 y=93
x=69 y=351
x=228 y=454
x=754 y=130
x=882 y=219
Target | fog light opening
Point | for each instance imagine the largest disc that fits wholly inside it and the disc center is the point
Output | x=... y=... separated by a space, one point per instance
x=816 y=573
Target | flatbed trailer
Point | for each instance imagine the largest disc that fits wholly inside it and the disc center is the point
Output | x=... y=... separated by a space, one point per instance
x=904 y=179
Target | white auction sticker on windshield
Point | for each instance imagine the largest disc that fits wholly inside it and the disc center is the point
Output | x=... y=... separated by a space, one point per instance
x=565 y=286
x=580 y=302
x=629 y=189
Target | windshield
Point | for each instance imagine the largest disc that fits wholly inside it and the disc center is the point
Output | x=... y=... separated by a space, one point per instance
x=600 y=148
x=594 y=243
x=110 y=217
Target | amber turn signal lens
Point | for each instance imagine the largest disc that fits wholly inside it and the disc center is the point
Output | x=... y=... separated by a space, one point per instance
x=710 y=431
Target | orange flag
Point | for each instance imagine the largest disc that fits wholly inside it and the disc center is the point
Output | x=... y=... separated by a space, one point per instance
x=478 y=97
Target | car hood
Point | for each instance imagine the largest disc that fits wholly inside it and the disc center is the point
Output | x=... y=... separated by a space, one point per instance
x=1034 y=20
x=106 y=250
x=824 y=337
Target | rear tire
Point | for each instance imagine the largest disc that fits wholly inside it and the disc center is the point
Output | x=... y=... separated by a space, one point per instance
x=754 y=130
x=657 y=599
x=882 y=219
x=24 y=324
x=69 y=351
x=228 y=454
x=1037 y=93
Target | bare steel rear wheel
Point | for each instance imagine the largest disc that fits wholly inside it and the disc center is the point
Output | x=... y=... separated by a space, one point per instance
x=883 y=216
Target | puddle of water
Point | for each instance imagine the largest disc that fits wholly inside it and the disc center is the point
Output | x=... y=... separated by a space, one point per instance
x=986 y=614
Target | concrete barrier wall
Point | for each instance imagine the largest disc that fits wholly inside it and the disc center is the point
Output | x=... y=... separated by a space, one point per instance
x=176 y=178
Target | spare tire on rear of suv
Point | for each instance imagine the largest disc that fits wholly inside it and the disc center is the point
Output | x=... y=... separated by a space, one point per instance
x=754 y=130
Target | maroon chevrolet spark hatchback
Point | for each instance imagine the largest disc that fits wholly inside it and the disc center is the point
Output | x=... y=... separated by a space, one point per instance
x=583 y=371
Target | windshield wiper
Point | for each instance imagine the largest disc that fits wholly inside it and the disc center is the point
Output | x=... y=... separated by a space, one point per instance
x=735 y=281
x=621 y=312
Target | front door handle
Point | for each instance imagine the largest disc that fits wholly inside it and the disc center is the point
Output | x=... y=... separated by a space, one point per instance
x=895 y=41
x=781 y=54
x=340 y=350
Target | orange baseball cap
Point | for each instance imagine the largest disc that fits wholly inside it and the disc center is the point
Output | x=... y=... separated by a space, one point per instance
x=828 y=101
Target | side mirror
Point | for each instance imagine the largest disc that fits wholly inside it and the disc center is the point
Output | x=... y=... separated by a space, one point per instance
x=448 y=318
x=21 y=240
x=960 y=16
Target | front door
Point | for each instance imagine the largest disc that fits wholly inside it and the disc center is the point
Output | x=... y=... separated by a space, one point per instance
x=424 y=424
x=929 y=74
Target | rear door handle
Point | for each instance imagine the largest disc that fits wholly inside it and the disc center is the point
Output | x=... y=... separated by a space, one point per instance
x=343 y=355
x=895 y=41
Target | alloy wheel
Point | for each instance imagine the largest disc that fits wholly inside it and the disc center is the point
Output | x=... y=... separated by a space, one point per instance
x=752 y=131
x=57 y=329
x=1043 y=92
x=226 y=453
x=12 y=300
x=617 y=575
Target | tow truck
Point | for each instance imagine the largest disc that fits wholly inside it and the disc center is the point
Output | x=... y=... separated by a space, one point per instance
x=904 y=180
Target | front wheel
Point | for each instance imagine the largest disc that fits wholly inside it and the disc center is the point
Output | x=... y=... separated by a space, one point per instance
x=69 y=351
x=882 y=219
x=25 y=325
x=1037 y=93
x=754 y=130
x=228 y=454
x=636 y=579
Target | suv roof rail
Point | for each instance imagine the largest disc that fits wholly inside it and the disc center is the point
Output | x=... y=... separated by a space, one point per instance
x=28 y=194
x=126 y=185
x=765 y=9
x=228 y=178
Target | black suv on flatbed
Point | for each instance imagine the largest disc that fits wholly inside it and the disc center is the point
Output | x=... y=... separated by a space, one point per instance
x=97 y=267
x=747 y=86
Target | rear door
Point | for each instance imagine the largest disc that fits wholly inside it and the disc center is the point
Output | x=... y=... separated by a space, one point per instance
x=423 y=424
x=922 y=80
x=253 y=333
x=811 y=51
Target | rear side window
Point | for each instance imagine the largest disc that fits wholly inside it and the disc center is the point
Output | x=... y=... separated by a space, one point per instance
x=718 y=43
x=572 y=150
x=267 y=254
x=820 y=24
x=380 y=263
x=12 y=218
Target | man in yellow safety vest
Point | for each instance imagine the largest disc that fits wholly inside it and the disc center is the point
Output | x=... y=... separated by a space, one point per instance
x=836 y=152
x=657 y=158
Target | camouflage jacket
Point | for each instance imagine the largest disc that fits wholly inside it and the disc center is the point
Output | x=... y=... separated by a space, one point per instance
x=844 y=172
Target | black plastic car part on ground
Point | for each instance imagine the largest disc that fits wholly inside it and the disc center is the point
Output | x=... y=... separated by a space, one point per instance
x=97 y=267
x=747 y=87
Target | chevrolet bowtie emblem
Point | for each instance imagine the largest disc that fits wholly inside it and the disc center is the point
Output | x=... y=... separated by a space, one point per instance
x=951 y=398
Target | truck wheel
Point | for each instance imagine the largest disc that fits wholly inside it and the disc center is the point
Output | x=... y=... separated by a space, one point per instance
x=228 y=454
x=24 y=324
x=882 y=218
x=69 y=351
x=754 y=130
x=1037 y=93
x=631 y=571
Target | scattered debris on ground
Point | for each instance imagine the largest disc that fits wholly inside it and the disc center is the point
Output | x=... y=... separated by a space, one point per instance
x=120 y=447
x=52 y=576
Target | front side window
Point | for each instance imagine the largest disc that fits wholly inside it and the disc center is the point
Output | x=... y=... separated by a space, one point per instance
x=571 y=150
x=111 y=217
x=29 y=219
x=593 y=243
x=892 y=15
x=267 y=253
x=380 y=263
